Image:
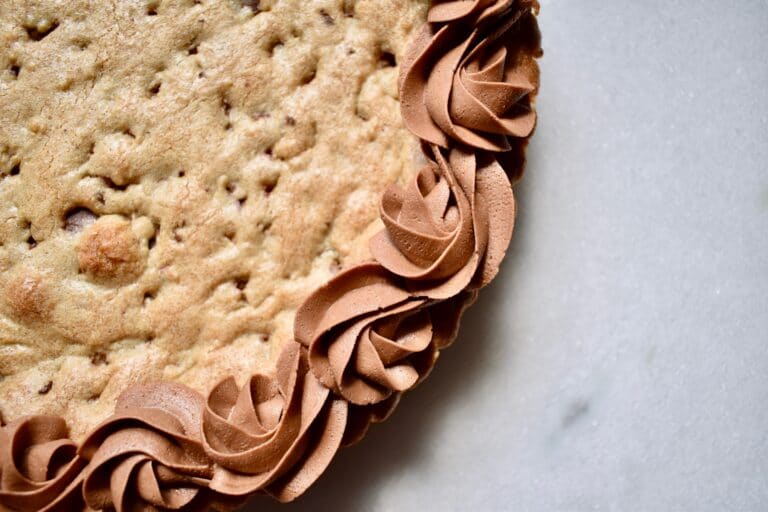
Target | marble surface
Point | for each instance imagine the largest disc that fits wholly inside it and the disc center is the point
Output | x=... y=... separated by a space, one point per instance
x=620 y=361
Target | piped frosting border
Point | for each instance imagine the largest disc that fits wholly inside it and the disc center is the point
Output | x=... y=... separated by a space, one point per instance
x=374 y=331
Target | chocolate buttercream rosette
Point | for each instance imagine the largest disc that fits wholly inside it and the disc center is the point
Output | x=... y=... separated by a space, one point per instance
x=40 y=468
x=374 y=331
x=471 y=77
x=275 y=434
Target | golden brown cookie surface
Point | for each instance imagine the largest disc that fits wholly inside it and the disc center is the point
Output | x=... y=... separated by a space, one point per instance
x=176 y=177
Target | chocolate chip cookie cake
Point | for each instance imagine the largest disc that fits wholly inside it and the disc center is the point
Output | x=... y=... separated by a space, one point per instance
x=234 y=232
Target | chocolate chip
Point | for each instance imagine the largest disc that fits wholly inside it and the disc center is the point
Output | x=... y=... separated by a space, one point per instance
x=46 y=388
x=177 y=236
x=387 y=60
x=99 y=358
x=269 y=186
x=81 y=44
x=252 y=5
x=309 y=76
x=327 y=18
x=38 y=32
x=111 y=184
x=349 y=8
x=79 y=218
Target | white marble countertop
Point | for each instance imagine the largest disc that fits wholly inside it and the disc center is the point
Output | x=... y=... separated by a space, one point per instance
x=620 y=361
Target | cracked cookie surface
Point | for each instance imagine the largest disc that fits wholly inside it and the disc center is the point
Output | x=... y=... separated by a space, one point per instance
x=176 y=176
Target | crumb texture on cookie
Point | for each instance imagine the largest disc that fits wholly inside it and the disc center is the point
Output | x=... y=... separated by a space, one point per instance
x=176 y=177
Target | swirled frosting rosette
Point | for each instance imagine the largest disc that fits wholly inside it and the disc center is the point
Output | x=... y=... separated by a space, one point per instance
x=470 y=77
x=275 y=434
x=39 y=466
x=149 y=455
x=450 y=227
x=368 y=337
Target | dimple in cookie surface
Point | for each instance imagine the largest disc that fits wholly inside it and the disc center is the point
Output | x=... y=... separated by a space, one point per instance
x=176 y=177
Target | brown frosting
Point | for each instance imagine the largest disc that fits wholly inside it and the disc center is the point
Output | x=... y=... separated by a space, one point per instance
x=371 y=333
x=349 y=325
x=454 y=10
x=471 y=74
x=452 y=224
x=39 y=466
x=276 y=434
x=150 y=454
